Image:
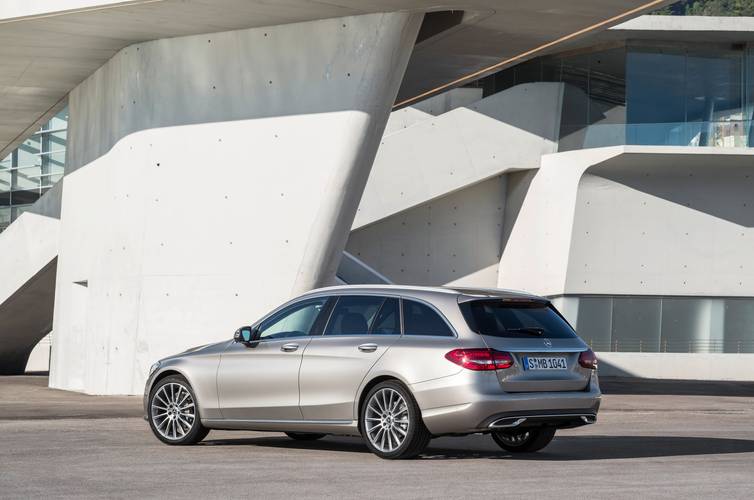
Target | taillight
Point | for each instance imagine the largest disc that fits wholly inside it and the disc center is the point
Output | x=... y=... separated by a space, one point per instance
x=480 y=359
x=588 y=359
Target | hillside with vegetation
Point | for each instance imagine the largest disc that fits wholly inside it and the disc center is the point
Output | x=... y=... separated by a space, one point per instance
x=709 y=8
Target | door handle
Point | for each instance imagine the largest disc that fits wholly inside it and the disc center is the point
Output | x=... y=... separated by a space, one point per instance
x=368 y=347
x=289 y=347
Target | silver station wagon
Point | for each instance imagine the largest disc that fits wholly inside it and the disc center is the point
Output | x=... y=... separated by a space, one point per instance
x=396 y=365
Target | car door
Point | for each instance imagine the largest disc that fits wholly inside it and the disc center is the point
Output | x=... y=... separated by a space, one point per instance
x=361 y=328
x=258 y=380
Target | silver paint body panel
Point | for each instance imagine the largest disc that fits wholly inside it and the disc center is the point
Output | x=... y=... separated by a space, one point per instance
x=317 y=387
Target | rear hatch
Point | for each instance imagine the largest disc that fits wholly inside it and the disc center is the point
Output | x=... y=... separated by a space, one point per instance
x=544 y=346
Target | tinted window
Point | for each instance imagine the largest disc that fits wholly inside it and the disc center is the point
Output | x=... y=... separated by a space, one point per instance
x=419 y=319
x=506 y=319
x=388 y=320
x=294 y=321
x=353 y=315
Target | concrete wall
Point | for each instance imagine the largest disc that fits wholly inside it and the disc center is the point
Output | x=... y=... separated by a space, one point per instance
x=635 y=220
x=436 y=156
x=192 y=209
x=677 y=366
x=451 y=240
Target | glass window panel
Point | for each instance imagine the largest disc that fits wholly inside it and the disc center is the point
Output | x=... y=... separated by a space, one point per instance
x=739 y=325
x=575 y=111
x=24 y=197
x=28 y=152
x=530 y=71
x=689 y=325
x=58 y=121
x=5 y=180
x=4 y=198
x=594 y=321
x=636 y=324
x=419 y=319
x=607 y=98
x=56 y=140
x=353 y=315
x=4 y=217
x=295 y=321
x=7 y=162
x=26 y=178
x=388 y=321
x=655 y=94
x=714 y=97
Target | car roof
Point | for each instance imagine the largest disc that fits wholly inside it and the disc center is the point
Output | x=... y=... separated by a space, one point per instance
x=463 y=294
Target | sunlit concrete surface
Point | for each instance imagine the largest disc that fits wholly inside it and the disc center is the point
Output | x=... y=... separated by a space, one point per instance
x=70 y=39
x=652 y=440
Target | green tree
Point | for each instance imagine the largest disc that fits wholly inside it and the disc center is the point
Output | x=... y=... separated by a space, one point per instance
x=709 y=8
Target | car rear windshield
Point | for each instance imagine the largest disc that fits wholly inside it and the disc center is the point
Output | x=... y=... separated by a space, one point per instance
x=500 y=318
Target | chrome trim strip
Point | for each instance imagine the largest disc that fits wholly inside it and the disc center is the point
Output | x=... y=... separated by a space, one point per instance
x=588 y=418
x=263 y=421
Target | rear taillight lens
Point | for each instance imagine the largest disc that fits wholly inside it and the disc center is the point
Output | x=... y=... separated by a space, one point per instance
x=588 y=359
x=480 y=359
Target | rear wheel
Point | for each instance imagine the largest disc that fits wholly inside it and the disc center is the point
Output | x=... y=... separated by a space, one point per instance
x=391 y=422
x=304 y=436
x=524 y=440
x=173 y=412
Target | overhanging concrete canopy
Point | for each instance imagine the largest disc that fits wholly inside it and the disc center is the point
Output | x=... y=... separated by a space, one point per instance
x=48 y=47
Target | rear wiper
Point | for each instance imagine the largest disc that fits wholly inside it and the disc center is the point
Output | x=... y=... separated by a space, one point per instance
x=528 y=330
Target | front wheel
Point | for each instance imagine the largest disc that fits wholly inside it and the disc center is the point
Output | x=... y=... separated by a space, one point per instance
x=524 y=440
x=391 y=422
x=173 y=412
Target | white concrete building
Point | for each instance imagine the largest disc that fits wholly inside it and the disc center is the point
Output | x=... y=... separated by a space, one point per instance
x=221 y=156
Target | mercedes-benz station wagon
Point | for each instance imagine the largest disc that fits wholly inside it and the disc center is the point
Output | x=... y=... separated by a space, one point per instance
x=396 y=365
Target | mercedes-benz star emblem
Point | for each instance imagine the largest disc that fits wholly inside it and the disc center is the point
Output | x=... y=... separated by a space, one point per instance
x=548 y=343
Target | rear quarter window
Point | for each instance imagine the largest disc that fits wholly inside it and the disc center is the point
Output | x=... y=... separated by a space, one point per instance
x=500 y=318
x=420 y=319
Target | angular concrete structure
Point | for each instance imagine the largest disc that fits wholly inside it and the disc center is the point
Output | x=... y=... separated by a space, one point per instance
x=218 y=152
x=146 y=273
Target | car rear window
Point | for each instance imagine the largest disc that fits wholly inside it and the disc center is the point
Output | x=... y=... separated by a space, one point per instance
x=501 y=318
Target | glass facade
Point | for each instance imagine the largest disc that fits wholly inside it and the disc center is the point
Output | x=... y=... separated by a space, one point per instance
x=647 y=93
x=662 y=324
x=32 y=169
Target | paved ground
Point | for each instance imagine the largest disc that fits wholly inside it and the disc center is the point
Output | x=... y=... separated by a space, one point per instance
x=653 y=440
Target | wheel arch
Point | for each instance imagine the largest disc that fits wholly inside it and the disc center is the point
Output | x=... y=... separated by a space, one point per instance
x=368 y=387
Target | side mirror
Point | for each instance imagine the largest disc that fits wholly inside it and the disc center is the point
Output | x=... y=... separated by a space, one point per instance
x=244 y=334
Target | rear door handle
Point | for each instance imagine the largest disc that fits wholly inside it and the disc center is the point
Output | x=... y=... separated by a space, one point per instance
x=368 y=347
x=289 y=347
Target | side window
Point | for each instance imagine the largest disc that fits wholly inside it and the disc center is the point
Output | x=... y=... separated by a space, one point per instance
x=388 y=320
x=295 y=321
x=353 y=315
x=419 y=319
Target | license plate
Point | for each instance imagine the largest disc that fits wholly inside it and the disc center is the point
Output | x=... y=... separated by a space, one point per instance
x=544 y=363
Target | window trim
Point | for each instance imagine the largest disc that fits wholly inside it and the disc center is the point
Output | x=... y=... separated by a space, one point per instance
x=437 y=311
x=369 y=332
x=283 y=309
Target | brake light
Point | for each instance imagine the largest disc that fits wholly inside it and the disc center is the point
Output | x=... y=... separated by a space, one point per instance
x=480 y=359
x=588 y=359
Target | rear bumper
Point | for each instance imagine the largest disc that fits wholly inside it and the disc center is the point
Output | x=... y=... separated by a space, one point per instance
x=468 y=403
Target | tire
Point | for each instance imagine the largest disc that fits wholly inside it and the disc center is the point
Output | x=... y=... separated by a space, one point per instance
x=390 y=422
x=304 y=436
x=171 y=424
x=524 y=440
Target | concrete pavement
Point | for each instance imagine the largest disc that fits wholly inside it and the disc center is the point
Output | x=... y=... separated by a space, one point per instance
x=57 y=444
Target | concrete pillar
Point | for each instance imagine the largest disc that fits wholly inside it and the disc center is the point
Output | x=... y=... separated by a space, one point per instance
x=214 y=177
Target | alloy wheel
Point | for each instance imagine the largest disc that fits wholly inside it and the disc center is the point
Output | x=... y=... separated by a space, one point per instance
x=386 y=420
x=173 y=411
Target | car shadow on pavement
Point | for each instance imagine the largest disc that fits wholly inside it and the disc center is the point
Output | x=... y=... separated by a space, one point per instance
x=566 y=448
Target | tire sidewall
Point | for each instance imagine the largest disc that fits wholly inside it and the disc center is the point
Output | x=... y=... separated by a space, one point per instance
x=414 y=419
x=192 y=436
